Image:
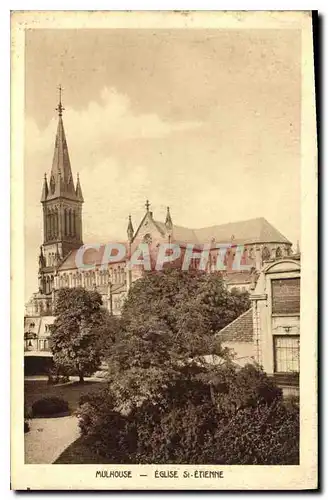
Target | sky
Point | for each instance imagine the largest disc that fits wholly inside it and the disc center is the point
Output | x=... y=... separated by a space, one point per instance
x=204 y=121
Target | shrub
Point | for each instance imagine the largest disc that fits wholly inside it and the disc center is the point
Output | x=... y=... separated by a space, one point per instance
x=241 y=420
x=50 y=406
x=263 y=435
x=108 y=429
x=57 y=379
x=27 y=416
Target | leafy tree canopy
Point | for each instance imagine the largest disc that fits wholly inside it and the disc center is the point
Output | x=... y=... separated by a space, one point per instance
x=167 y=331
x=79 y=325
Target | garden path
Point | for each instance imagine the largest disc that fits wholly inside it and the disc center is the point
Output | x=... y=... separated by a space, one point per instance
x=48 y=438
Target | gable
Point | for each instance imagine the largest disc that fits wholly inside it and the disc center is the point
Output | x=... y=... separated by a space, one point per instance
x=149 y=227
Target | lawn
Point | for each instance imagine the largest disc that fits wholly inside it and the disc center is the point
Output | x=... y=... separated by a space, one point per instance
x=71 y=392
x=80 y=452
x=48 y=437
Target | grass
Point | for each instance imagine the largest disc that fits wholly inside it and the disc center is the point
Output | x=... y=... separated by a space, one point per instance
x=70 y=392
x=80 y=452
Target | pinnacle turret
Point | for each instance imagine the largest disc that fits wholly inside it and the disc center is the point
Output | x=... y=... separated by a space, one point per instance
x=78 y=190
x=168 y=220
x=130 y=230
x=45 y=189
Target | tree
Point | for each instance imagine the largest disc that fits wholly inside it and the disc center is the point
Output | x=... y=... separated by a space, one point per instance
x=168 y=324
x=185 y=301
x=184 y=426
x=173 y=394
x=80 y=322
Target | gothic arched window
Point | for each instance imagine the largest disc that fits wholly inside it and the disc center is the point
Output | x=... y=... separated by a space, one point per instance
x=65 y=222
x=265 y=254
x=70 y=222
x=76 y=228
x=52 y=217
x=73 y=223
x=50 y=225
x=56 y=223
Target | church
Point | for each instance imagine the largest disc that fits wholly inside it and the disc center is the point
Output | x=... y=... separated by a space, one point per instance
x=62 y=201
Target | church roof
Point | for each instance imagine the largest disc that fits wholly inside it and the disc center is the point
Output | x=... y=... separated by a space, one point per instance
x=91 y=256
x=239 y=330
x=249 y=231
x=61 y=180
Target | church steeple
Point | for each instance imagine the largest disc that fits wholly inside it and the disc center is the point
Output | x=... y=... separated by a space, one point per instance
x=61 y=179
x=62 y=207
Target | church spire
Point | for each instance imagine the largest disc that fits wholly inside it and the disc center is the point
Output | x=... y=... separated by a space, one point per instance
x=61 y=179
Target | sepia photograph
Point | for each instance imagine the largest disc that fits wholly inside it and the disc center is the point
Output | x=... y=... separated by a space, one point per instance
x=161 y=199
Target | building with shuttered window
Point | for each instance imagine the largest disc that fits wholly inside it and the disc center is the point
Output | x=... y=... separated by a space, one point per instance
x=269 y=332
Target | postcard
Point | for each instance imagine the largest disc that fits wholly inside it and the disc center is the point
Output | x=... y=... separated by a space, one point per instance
x=164 y=251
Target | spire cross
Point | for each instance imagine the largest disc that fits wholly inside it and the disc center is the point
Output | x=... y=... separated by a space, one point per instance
x=147 y=205
x=60 y=107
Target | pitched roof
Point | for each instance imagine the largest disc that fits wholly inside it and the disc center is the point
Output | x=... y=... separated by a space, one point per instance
x=182 y=234
x=249 y=231
x=91 y=256
x=61 y=179
x=239 y=330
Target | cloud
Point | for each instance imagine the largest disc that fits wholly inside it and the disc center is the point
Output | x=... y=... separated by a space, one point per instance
x=91 y=134
x=112 y=118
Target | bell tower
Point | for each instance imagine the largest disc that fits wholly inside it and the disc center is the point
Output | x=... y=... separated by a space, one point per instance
x=62 y=209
